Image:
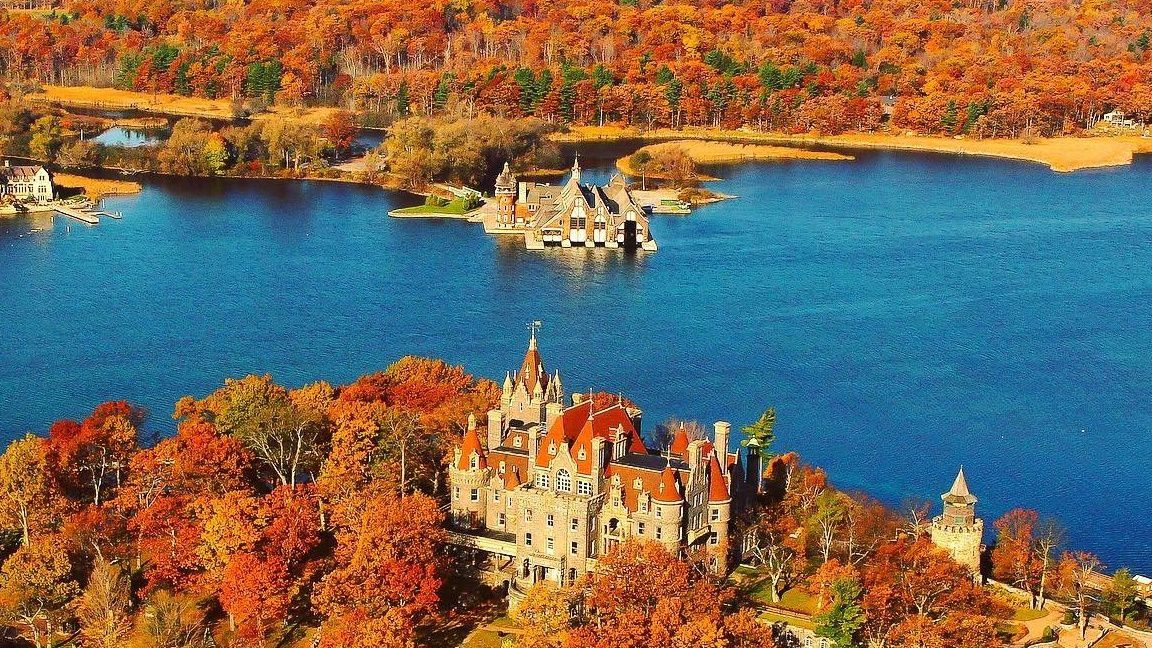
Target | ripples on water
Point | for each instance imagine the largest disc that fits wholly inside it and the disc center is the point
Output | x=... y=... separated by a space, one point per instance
x=905 y=313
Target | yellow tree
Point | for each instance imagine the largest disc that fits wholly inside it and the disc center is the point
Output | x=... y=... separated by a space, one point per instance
x=35 y=587
x=103 y=608
x=26 y=494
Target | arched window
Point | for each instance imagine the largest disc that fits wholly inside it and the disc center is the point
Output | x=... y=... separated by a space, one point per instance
x=563 y=481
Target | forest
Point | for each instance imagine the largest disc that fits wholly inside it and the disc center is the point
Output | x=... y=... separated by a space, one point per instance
x=312 y=516
x=987 y=68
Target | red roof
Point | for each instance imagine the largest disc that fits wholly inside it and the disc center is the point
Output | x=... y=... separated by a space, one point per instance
x=717 y=487
x=514 y=465
x=669 y=488
x=471 y=446
x=532 y=369
x=679 y=442
x=577 y=429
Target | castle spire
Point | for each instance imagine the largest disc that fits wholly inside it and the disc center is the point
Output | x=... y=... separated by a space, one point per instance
x=576 y=168
x=959 y=492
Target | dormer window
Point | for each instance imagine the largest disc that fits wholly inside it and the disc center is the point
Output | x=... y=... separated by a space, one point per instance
x=502 y=467
x=474 y=462
x=638 y=484
x=516 y=441
x=552 y=448
x=582 y=455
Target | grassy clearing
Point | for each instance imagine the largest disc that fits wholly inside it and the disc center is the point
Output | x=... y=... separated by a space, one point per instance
x=488 y=637
x=1024 y=615
x=455 y=207
x=710 y=152
x=96 y=188
x=168 y=104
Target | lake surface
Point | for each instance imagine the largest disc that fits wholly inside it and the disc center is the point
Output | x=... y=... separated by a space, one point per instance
x=905 y=313
x=130 y=137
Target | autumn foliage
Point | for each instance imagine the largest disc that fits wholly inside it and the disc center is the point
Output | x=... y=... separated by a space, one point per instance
x=985 y=68
x=236 y=528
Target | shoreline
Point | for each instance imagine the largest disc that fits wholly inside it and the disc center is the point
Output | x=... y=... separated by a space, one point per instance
x=721 y=152
x=1060 y=154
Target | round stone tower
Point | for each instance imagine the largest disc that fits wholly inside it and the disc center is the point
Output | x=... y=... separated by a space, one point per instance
x=469 y=476
x=957 y=530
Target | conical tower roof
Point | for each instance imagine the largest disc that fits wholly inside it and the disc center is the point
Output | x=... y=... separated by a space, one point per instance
x=669 y=490
x=470 y=446
x=959 y=493
x=532 y=372
x=679 y=441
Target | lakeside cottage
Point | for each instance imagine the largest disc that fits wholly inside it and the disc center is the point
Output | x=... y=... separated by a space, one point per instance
x=547 y=489
x=26 y=183
x=570 y=215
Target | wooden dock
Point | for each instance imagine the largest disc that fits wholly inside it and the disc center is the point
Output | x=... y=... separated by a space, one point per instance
x=82 y=216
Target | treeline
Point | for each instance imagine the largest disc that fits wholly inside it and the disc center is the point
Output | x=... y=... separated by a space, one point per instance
x=467 y=151
x=992 y=68
x=193 y=147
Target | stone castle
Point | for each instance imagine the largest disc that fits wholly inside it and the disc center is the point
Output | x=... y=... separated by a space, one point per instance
x=571 y=214
x=547 y=488
x=957 y=530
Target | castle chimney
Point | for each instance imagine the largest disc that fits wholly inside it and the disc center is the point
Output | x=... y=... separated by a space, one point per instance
x=599 y=460
x=533 y=448
x=552 y=412
x=723 y=431
x=495 y=428
x=696 y=454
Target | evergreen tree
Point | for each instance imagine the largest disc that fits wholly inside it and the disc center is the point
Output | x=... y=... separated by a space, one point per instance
x=602 y=77
x=402 y=101
x=844 y=617
x=443 y=89
x=763 y=432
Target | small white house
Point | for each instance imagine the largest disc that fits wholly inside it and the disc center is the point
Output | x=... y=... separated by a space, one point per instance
x=1118 y=119
x=26 y=182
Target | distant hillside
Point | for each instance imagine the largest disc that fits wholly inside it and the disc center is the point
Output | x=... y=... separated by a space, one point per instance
x=992 y=68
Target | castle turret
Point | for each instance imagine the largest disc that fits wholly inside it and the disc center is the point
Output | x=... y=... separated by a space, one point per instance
x=469 y=475
x=957 y=530
x=668 y=500
x=506 y=196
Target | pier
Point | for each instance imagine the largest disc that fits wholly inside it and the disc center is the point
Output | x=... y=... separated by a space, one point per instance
x=82 y=216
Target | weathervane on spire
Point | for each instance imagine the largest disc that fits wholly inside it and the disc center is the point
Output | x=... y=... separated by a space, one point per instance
x=534 y=326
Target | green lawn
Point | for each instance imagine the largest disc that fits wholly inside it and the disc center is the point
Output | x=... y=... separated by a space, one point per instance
x=482 y=638
x=793 y=599
x=1024 y=615
x=458 y=207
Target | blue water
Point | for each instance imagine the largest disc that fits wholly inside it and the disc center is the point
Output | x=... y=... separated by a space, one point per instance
x=128 y=137
x=904 y=313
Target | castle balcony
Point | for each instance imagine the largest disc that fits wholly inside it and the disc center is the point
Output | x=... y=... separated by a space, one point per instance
x=694 y=535
x=490 y=540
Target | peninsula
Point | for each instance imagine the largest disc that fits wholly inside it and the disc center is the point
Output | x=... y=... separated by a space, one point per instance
x=306 y=517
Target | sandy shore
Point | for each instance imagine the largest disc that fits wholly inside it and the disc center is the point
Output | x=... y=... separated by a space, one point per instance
x=1058 y=153
x=178 y=105
x=97 y=188
x=719 y=152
